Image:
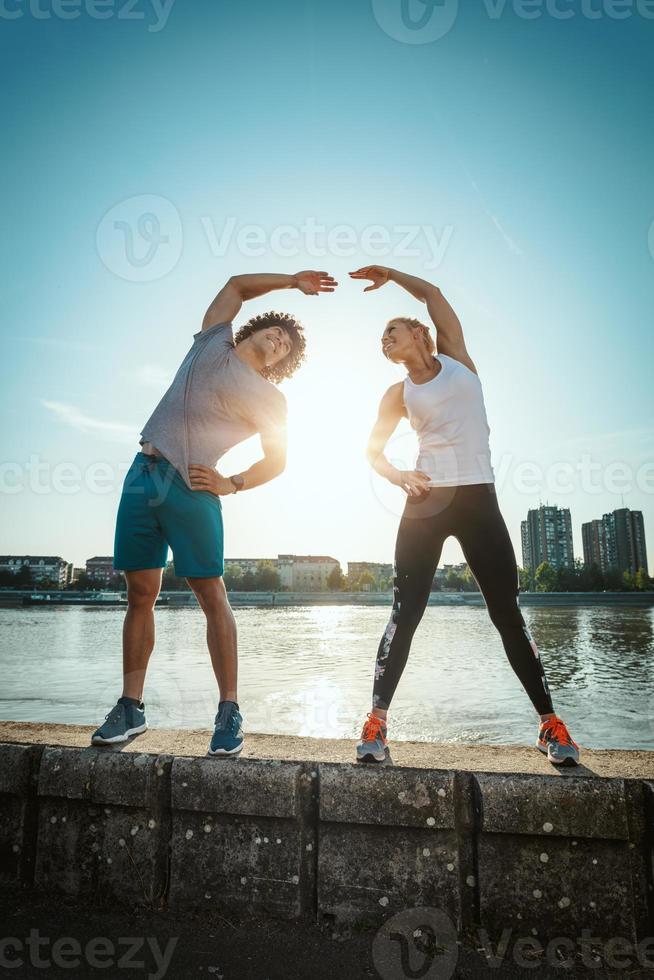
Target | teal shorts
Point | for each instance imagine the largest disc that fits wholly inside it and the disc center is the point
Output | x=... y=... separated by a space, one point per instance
x=157 y=509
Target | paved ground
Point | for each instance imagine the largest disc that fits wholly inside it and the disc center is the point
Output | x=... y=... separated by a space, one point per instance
x=148 y=944
x=423 y=755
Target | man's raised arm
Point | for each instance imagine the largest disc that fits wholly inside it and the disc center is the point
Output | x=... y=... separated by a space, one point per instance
x=238 y=289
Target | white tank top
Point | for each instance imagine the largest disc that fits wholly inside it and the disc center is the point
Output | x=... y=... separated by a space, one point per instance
x=449 y=417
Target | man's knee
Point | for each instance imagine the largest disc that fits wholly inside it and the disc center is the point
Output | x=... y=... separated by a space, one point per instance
x=210 y=592
x=143 y=587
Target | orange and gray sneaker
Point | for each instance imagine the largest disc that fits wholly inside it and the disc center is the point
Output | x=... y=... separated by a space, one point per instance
x=554 y=739
x=373 y=746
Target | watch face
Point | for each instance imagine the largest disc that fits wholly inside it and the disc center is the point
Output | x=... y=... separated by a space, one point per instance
x=238 y=481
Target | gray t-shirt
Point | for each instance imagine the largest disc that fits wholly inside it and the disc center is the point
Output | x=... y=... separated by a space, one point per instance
x=215 y=401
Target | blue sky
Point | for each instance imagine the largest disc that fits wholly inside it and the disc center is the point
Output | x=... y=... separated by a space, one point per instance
x=517 y=152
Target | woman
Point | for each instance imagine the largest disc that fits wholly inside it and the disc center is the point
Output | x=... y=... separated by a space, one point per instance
x=451 y=492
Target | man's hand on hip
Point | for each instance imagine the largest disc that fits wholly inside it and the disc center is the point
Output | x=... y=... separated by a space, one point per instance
x=204 y=478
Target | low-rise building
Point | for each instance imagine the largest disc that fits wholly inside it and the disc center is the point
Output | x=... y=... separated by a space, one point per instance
x=43 y=569
x=248 y=564
x=100 y=569
x=306 y=573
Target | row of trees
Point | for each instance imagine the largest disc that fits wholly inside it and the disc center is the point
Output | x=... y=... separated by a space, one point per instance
x=365 y=582
x=264 y=579
x=546 y=578
x=583 y=578
x=22 y=579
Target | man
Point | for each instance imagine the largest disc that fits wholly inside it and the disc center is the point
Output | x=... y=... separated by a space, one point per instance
x=450 y=493
x=224 y=392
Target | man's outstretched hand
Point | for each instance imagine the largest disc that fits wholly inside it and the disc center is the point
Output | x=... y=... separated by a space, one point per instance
x=313 y=283
x=378 y=274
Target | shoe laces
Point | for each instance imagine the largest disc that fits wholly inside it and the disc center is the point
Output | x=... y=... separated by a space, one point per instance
x=372 y=728
x=115 y=713
x=229 y=723
x=556 y=731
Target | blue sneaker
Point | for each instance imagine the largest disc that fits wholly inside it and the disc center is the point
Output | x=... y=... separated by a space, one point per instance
x=123 y=721
x=228 y=734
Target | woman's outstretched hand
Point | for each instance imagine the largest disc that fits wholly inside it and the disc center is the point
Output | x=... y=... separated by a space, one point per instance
x=379 y=275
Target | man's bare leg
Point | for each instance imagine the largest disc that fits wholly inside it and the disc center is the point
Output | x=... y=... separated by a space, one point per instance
x=138 y=629
x=221 y=633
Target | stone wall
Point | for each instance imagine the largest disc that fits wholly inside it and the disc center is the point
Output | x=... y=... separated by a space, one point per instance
x=552 y=854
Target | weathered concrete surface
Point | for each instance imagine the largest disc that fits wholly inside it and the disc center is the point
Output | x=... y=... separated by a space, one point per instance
x=18 y=774
x=302 y=837
x=387 y=840
x=560 y=846
x=100 y=819
x=420 y=755
x=243 y=831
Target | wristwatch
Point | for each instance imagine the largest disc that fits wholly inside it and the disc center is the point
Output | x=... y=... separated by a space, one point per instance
x=238 y=482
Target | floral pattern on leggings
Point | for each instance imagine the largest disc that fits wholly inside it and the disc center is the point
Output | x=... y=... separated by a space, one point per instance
x=391 y=627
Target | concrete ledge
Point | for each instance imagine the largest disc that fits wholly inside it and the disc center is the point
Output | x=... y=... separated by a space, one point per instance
x=300 y=837
x=15 y=770
x=239 y=832
x=18 y=775
x=100 y=819
x=269 y=789
x=560 y=808
x=403 y=798
x=460 y=757
x=386 y=840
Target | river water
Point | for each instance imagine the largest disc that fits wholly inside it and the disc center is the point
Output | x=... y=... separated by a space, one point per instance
x=308 y=671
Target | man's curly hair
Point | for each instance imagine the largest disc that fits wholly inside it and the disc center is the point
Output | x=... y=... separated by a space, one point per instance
x=287 y=367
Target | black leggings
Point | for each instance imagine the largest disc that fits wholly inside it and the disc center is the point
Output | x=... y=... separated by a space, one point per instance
x=471 y=514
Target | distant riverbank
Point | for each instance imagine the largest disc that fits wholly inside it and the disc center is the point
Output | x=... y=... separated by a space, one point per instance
x=279 y=599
